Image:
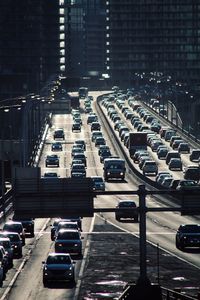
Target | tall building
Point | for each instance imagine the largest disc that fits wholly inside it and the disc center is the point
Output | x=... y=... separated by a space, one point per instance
x=85 y=38
x=153 y=35
x=29 y=45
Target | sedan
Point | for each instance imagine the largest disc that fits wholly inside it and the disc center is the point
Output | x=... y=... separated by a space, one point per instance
x=184 y=148
x=68 y=241
x=58 y=267
x=56 y=146
x=52 y=160
x=129 y=211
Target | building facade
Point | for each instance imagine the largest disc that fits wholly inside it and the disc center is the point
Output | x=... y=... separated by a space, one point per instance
x=29 y=45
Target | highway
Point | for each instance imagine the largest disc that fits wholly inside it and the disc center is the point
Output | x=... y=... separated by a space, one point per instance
x=161 y=227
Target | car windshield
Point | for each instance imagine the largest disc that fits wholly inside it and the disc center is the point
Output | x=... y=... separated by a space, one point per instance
x=12 y=227
x=5 y=244
x=68 y=235
x=127 y=204
x=12 y=237
x=191 y=228
x=97 y=179
x=58 y=259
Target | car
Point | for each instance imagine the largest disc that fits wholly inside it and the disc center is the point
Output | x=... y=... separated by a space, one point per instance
x=96 y=134
x=58 y=267
x=56 y=146
x=5 y=242
x=66 y=224
x=75 y=161
x=192 y=173
x=167 y=181
x=15 y=240
x=105 y=154
x=173 y=138
x=76 y=127
x=127 y=213
x=174 y=184
x=98 y=183
x=82 y=157
x=162 y=152
x=172 y=154
x=103 y=148
x=175 y=164
x=14 y=226
x=76 y=150
x=195 y=155
x=95 y=126
x=59 y=134
x=184 y=148
x=82 y=143
x=68 y=241
x=52 y=160
x=188 y=235
x=176 y=144
x=168 y=134
x=50 y=175
x=150 y=167
x=100 y=141
x=54 y=227
x=92 y=118
x=162 y=173
x=163 y=177
x=4 y=260
x=186 y=184
x=77 y=120
x=78 y=170
x=28 y=224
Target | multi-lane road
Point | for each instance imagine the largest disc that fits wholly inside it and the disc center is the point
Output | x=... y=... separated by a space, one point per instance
x=24 y=280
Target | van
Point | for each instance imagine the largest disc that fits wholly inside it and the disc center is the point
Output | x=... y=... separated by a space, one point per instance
x=172 y=154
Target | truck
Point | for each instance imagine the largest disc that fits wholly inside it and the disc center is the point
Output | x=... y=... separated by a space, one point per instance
x=137 y=141
x=114 y=168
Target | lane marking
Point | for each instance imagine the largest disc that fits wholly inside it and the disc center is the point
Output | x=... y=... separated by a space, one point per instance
x=87 y=247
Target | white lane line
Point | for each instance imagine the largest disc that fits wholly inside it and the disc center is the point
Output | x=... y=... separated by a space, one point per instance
x=87 y=247
x=8 y=289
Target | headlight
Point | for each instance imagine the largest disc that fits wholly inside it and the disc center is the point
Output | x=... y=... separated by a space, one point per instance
x=121 y=173
x=108 y=173
x=75 y=245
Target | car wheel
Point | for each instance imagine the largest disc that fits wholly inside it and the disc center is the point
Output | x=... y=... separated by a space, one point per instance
x=45 y=282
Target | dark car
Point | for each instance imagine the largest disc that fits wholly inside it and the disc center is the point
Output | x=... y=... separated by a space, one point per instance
x=95 y=126
x=188 y=235
x=104 y=154
x=59 y=134
x=78 y=170
x=184 y=148
x=175 y=164
x=98 y=183
x=68 y=241
x=192 y=173
x=100 y=141
x=56 y=146
x=162 y=152
x=82 y=157
x=82 y=143
x=195 y=155
x=52 y=160
x=58 y=267
x=128 y=213
x=50 y=175
x=76 y=127
x=28 y=224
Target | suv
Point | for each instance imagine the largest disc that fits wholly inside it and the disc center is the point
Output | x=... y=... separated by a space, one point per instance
x=59 y=134
x=78 y=170
x=127 y=213
x=58 y=267
x=68 y=241
x=14 y=226
x=150 y=167
x=188 y=236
